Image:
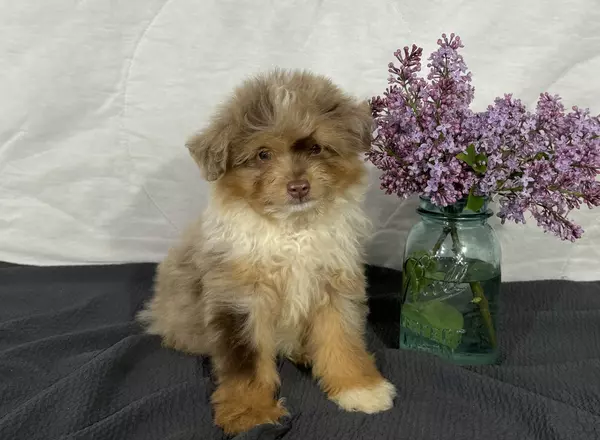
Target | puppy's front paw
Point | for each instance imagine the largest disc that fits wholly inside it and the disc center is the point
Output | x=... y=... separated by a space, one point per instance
x=370 y=400
x=235 y=417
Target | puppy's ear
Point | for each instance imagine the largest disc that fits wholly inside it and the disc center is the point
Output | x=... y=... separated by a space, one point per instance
x=210 y=150
x=361 y=125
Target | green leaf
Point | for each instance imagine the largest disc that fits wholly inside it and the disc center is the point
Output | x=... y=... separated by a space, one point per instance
x=468 y=156
x=417 y=269
x=410 y=311
x=475 y=203
x=410 y=280
x=443 y=316
x=476 y=161
x=434 y=320
x=464 y=158
x=480 y=163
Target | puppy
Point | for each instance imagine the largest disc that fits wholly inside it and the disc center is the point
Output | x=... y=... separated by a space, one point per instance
x=275 y=265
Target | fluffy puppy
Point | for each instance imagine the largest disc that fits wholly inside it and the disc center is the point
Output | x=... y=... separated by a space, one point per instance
x=275 y=265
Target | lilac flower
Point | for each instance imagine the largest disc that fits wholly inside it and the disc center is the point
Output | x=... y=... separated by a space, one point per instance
x=429 y=142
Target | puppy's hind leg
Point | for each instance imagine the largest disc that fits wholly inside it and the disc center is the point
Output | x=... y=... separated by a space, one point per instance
x=175 y=312
x=247 y=378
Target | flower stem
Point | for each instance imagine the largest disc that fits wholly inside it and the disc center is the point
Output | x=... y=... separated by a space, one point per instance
x=477 y=290
x=456 y=246
x=484 y=309
x=440 y=240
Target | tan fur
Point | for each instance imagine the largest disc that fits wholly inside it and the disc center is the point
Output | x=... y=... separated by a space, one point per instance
x=261 y=273
x=337 y=348
x=241 y=405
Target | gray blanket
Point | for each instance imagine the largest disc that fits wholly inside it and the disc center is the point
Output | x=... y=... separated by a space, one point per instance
x=73 y=365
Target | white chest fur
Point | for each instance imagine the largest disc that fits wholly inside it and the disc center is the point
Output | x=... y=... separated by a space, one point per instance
x=297 y=260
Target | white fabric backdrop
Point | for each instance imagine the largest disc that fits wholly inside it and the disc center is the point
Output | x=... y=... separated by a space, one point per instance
x=99 y=96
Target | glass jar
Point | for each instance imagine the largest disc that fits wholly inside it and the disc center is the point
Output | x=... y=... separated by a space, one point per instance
x=451 y=284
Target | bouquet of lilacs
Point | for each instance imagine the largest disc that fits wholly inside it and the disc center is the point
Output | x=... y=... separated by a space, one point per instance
x=429 y=142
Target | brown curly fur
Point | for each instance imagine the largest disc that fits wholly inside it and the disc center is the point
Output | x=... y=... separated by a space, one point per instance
x=263 y=274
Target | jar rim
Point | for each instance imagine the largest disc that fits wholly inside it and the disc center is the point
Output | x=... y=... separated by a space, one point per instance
x=456 y=211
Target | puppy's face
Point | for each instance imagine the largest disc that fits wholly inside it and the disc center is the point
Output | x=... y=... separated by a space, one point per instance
x=287 y=144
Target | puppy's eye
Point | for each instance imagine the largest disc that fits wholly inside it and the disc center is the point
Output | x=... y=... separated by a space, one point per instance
x=316 y=150
x=264 y=155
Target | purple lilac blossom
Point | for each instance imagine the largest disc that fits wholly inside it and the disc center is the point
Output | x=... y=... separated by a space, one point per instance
x=545 y=162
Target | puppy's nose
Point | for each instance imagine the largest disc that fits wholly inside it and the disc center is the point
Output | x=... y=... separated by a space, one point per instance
x=298 y=188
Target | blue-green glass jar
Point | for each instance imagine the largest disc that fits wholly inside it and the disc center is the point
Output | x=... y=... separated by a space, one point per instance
x=451 y=284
